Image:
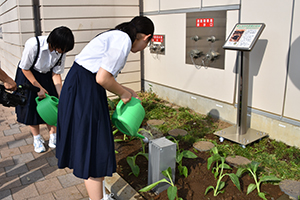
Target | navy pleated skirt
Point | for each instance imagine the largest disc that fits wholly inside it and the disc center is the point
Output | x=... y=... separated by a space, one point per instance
x=27 y=114
x=85 y=141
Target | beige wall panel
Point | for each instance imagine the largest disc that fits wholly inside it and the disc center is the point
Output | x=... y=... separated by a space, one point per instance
x=208 y=3
x=170 y=69
x=171 y=4
x=25 y=2
x=89 y=2
x=134 y=56
x=292 y=105
x=150 y=6
x=129 y=77
x=12 y=15
x=14 y=50
x=12 y=38
x=27 y=26
x=26 y=12
x=85 y=11
x=8 y=5
x=18 y=26
x=11 y=27
x=268 y=58
x=132 y=66
x=85 y=24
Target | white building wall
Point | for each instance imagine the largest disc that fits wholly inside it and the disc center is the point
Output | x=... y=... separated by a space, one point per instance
x=274 y=64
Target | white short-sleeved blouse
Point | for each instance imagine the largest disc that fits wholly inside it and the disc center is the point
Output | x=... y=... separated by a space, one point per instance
x=46 y=59
x=108 y=50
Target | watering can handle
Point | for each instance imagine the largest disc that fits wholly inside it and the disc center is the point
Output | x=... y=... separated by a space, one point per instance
x=37 y=99
x=120 y=105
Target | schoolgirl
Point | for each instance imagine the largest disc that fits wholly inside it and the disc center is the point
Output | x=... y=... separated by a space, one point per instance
x=41 y=65
x=84 y=136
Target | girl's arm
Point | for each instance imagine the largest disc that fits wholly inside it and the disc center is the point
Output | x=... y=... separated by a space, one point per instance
x=28 y=74
x=106 y=80
x=57 y=82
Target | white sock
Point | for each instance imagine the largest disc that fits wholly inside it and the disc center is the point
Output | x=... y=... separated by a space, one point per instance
x=104 y=192
x=53 y=135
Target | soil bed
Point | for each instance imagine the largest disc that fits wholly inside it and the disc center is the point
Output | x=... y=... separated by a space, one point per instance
x=199 y=178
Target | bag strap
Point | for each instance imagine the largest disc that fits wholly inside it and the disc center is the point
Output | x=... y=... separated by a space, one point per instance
x=38 y=51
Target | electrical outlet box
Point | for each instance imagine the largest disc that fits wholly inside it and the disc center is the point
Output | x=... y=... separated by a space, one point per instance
x=158 y=45
x=162 y=155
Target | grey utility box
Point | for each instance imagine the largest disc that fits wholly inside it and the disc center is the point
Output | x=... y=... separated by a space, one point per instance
x=162 y=155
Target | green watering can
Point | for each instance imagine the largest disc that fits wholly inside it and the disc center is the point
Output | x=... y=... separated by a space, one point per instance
x=47 y=109
x=129 y=117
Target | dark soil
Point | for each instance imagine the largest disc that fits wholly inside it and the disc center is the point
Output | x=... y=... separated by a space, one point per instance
x=193 y=187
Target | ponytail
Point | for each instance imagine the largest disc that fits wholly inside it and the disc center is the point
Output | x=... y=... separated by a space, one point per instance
x=139 y=24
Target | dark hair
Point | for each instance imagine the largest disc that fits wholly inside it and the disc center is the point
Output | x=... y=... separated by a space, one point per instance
x=61 y=38
x=138 y=24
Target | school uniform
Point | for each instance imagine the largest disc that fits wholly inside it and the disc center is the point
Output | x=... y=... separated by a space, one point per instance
x=47 y=62
x=85 y=141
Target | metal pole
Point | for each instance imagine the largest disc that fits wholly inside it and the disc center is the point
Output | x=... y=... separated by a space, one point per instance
x=244 y=93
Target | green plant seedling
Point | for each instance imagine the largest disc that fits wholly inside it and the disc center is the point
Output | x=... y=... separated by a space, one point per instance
x=217 y=159
x=220 y=166
x=131 y=159
x=253 y=168
x=172 y=190
x=183 y=170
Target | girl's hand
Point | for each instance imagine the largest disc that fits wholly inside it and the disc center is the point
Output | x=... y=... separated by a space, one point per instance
x=42 y=93
x=126 y=96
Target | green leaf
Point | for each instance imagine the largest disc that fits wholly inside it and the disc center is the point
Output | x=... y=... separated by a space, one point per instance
x=167 y=173
x=118 y=140
x=269 y=178
x=215 y=150
x=185 y=171
x=240 y=172
x=134 y=168
x=149 y=187
x=216 y=174
x=262 y=195
x=254 y=166
x=250 y=188
x=212 y=159
x=220 y=192
x=225 y=166
x=172 y=192
x=179 y=157
x=221 y=185
x=234 y=178
x=208 y=188
x=188 y=154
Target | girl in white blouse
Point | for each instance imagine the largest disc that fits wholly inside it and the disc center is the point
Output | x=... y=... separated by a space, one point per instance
x=41 y=65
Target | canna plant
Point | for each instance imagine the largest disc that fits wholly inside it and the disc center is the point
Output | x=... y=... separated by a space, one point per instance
x=216 y=158
x=131 y=159
x=254 y=169
x=218 y=171
x=183 y=170
x=172 y=190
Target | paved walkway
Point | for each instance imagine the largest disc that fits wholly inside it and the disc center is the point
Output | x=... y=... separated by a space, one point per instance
x=25 y=174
